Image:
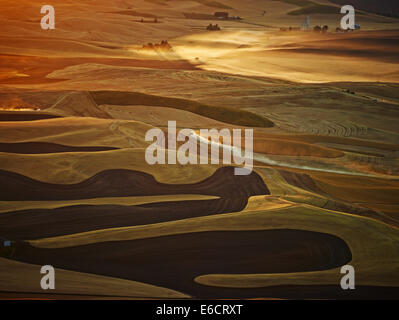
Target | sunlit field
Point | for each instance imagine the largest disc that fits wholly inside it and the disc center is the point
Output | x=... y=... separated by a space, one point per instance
x=79 y=105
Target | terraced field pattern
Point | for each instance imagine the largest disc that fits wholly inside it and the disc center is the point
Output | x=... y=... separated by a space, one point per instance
x=77 y=193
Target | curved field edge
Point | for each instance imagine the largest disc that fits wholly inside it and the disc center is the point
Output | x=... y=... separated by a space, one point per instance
x=374 y=245
x=23 y=277
x=7 y=206
x=224 y=114
x=70 y=168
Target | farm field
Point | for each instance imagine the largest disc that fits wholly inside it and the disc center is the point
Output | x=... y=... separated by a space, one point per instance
x=77 y=193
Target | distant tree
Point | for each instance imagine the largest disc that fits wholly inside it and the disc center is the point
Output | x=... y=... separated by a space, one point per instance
x=324 y=29
x=317 y=29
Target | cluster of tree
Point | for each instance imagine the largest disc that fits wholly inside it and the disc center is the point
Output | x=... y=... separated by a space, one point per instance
x=320 y=29
x=212 y=27
x=163 y=46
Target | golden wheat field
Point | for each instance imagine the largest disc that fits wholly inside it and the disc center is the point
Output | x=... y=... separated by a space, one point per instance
x=77 y=192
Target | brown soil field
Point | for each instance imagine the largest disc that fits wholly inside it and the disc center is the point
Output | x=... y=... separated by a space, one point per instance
x=177 y=264
x=119 y=183
x=44 y=223
x=44 y=147
x=21 y=116
x=76 y=191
